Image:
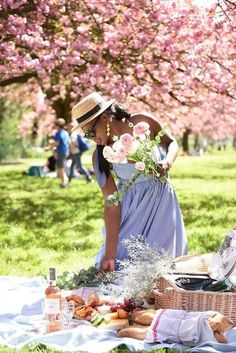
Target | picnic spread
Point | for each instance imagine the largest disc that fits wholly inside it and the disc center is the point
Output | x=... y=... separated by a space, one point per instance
x=188 y=310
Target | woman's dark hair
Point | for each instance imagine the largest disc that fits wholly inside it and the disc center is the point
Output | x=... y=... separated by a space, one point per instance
x=118 y=112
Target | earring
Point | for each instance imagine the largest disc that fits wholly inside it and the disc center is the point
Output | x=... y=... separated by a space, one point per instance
x=108 y=129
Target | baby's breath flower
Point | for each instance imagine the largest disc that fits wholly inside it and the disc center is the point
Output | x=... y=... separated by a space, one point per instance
x=140 y=271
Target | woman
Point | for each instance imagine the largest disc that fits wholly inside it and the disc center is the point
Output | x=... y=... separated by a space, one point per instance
x=148 y=208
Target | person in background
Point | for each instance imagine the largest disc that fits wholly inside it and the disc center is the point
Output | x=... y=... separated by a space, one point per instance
x=62 y=143
x=76 y=154
x=50 y=166
x=150 y=207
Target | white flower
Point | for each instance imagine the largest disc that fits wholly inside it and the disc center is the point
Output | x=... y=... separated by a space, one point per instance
x=117 y=145
x=134 y=146
x=108 y=153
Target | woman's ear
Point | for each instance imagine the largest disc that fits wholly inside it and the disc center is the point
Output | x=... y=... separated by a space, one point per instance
x=104 y=117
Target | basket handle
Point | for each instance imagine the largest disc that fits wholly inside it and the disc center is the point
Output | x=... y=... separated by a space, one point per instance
x=158 y=294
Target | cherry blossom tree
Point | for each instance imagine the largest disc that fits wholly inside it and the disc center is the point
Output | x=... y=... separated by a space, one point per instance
x=165 y=56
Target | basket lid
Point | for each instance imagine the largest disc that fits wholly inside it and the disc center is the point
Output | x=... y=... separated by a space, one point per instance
x=224 y=261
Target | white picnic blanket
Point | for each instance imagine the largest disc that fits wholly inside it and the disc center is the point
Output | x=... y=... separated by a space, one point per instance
x=21 y=316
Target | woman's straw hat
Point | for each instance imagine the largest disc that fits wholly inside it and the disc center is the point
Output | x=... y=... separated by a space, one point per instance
x=89 y=108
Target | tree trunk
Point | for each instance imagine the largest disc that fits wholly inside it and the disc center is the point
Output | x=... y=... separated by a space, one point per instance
x=62 y=109
x=185 y=142
x=196 y=143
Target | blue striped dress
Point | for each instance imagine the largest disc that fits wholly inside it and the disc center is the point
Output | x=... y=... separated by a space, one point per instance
x=149 y=208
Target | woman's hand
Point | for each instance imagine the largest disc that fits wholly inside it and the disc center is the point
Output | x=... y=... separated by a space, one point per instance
x=107 y=265
x=163 y=167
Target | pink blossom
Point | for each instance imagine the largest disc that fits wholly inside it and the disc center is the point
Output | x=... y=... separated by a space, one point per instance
x=140 y=166
x=141 y=129
x=82 y=29
x=76 y=80
x=173 y=56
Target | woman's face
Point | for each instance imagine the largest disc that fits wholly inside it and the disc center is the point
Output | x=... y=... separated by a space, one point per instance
x=96 y=130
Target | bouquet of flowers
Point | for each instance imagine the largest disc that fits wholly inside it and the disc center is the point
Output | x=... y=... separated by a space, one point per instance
x=138 y=148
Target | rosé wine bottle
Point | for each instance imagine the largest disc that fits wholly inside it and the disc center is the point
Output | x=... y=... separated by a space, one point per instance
x=53 y=310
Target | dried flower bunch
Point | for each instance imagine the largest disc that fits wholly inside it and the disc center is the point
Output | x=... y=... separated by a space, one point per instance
x=141 y=270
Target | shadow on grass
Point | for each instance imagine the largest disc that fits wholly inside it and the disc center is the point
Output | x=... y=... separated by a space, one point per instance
x=205 y=177
x=11 y=163
x=38 y=207
x=193 y=208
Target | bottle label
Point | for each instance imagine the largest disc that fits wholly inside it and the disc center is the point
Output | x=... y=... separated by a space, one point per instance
x=52 y=306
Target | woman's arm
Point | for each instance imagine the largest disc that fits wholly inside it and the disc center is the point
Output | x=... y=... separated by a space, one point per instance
x=112 y=215
x=172 y=151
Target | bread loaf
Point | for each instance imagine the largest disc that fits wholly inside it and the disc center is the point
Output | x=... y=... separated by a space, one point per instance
x=116 y=325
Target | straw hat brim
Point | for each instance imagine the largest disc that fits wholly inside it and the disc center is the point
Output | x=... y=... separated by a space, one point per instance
x=105 y=106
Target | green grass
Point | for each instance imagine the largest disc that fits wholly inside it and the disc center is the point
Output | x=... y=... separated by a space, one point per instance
x=43 y=225
x=42 y=349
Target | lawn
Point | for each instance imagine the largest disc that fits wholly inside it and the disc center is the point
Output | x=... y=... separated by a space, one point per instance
x=43 y=225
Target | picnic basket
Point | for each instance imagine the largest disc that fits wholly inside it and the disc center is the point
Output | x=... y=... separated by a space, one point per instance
x=168 y=295
x=218 y=265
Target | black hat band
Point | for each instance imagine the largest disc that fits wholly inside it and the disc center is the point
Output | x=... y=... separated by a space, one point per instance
x=88 y=115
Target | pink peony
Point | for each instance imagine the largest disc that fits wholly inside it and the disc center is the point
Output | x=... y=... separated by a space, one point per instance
x=114 y=156
x=141 y=128
x=140 y=166
x=126 y=140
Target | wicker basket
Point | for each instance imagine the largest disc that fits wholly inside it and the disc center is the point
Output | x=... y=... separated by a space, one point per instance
x=170 y=296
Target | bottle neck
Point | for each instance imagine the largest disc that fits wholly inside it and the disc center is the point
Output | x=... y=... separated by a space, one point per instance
x=52 y=276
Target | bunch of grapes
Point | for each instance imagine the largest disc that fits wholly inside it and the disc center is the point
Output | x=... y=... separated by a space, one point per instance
x=128 y=305
x=131 y=304
x=116 y=307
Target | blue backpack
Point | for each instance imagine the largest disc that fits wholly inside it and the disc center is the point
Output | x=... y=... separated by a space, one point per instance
x=83 y=143
x=36 y=171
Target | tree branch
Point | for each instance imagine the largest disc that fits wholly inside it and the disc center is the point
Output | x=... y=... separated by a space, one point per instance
x=221 y=65
x=18 y=79
x=29 y=6
x=231 y=4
